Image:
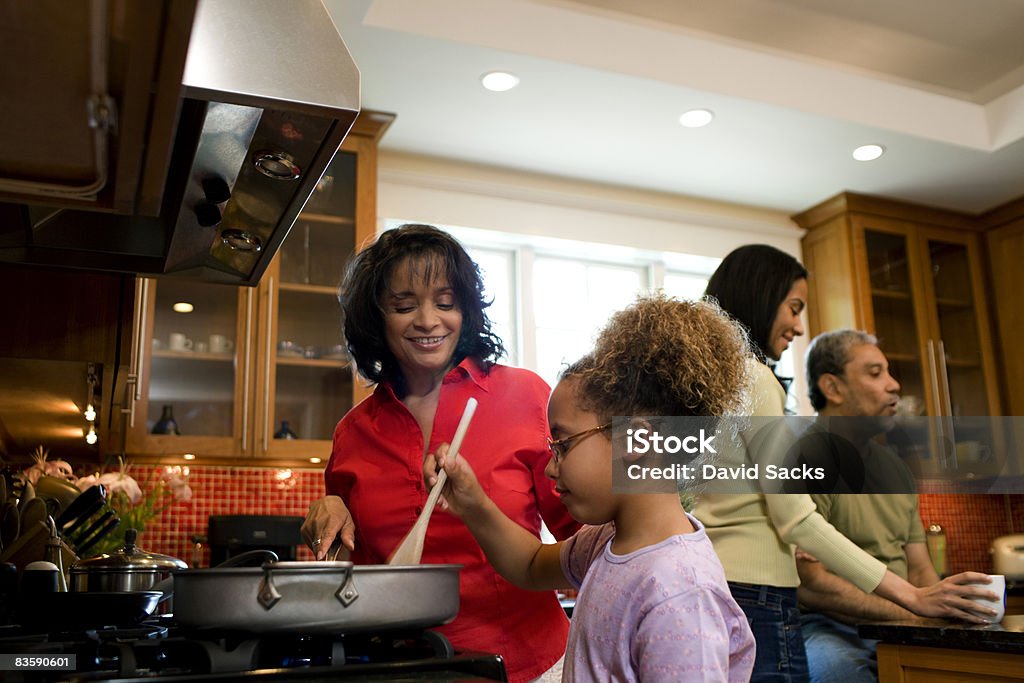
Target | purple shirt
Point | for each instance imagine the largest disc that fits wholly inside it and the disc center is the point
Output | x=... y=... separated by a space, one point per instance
x=661 y=613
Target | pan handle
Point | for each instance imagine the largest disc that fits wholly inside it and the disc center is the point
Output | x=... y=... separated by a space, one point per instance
x=268 y=595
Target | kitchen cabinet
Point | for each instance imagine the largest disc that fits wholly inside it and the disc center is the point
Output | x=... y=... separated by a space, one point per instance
x=914 y=277
x=913 y=664
x=245 y=360
x=1005 y=242
x=940 y=650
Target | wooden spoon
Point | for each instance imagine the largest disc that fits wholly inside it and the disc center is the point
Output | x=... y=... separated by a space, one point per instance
x=410 y=550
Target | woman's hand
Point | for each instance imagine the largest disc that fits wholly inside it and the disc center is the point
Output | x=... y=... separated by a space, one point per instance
x=328 y=525
x=462 y=492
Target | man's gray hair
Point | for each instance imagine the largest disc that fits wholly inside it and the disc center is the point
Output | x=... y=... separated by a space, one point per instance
x=829 y=353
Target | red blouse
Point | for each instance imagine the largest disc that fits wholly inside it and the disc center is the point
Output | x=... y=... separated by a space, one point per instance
x=376 y=467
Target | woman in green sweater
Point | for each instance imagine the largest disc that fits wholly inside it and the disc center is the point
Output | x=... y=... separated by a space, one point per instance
x=756 y=534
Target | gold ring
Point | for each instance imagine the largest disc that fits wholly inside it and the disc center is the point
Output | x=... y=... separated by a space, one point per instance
x=316 y=542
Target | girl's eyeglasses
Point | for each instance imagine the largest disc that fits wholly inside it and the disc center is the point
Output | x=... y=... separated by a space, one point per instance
x=559 y=447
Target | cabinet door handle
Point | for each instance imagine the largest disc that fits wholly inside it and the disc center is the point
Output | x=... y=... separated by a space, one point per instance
x=133 y=385
x=947 y=405
x=270 y=347
x=933 y=379
x=944 y=372
x=246 y=368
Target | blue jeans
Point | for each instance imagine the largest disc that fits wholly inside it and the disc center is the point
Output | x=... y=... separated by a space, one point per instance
x=836 y=653
x=775 y=621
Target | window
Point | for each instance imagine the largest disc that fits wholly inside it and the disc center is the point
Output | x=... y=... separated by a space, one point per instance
x=497 y=267
x=573 y=299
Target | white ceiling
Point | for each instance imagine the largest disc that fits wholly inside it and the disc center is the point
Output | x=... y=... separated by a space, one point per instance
x=795 y=86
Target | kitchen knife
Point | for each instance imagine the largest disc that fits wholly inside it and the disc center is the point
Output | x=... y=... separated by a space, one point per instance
x=89 y=543
x=85 y=500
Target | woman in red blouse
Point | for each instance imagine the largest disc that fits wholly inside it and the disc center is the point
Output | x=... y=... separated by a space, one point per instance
x=416 y=326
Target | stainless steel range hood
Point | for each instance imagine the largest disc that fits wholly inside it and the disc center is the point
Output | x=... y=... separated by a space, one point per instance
x=166 y=137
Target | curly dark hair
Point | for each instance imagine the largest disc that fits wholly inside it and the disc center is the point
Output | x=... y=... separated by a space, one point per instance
x=362 y=292
x=664 y=356
x=750 y=284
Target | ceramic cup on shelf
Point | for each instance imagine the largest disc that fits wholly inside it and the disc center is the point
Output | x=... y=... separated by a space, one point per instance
x=202 y=347
x=221 y=344
x=289 y=349
x=972 y=452
x=336 y=352
x=998 y=586
x=179 y=342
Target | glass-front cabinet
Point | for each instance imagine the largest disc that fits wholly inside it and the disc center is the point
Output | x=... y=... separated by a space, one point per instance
x=913 y=276
x=260 y=372
x=195 y=371
x=926 y=305
x=304 y=362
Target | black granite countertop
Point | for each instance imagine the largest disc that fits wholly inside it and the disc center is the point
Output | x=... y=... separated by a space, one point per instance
x=1006 y=636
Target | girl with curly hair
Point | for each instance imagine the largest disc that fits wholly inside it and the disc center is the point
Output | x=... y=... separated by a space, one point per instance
x=653 y=601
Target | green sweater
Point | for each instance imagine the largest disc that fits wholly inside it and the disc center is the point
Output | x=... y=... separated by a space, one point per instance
x=755 y=535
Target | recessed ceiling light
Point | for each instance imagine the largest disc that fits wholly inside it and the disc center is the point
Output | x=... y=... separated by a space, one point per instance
x=695 y=118
x=183 y=307
x=868 y=152
x=499 y=81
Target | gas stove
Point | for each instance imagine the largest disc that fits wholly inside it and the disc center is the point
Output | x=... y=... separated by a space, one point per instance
x=158 y=650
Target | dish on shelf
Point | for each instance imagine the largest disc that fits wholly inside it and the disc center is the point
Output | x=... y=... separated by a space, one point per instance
x=290 y=353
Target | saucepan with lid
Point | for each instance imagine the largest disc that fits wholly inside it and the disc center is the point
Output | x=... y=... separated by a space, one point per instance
x=125 y=570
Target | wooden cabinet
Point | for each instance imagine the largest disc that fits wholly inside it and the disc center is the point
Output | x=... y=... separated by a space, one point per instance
x=914 y=277
x=239 y=362
x=1005 y=242
x=913 y=664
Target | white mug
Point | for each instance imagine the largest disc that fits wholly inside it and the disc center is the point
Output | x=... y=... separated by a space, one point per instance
x=220 y=344
x=179 y=342
x=998 y=586
x=202 y=347
x=972 y=452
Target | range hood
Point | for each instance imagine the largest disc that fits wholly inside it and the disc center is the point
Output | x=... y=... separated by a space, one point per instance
x=165 y=137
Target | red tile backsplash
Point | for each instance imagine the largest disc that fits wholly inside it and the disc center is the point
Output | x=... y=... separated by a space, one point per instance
x=227 y=491
x=970 y=521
